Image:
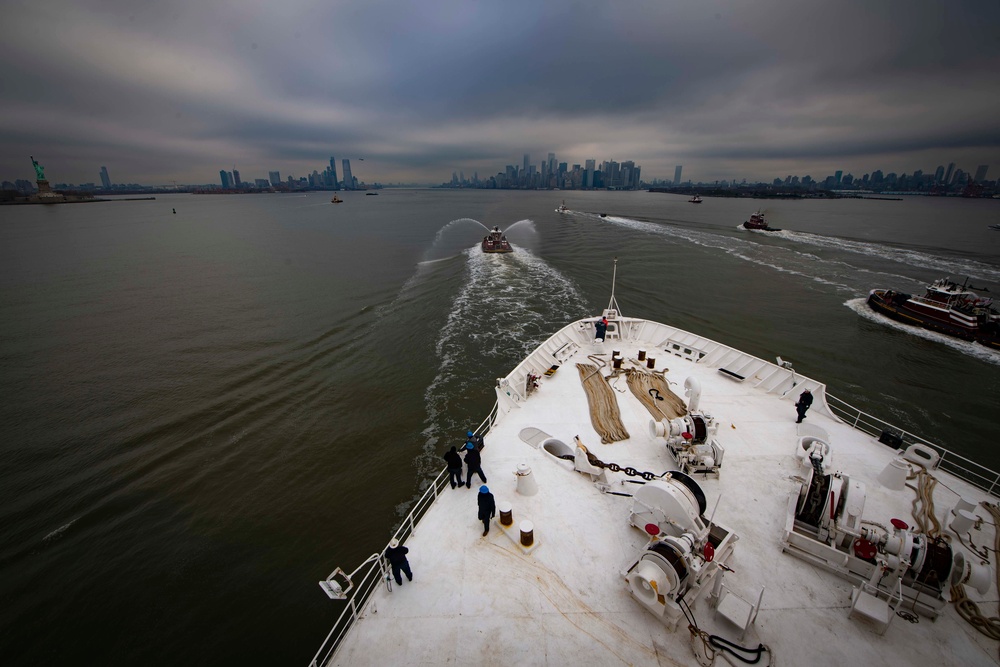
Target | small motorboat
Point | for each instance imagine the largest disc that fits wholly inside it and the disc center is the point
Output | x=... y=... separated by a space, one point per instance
x=604 y=215
x=562 y=207
x=336 y=200
x=995 y=227
x=496 y=242
x=695 y=200
x=758 y=223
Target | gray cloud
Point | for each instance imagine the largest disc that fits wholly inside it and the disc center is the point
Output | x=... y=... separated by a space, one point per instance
x=176 y=90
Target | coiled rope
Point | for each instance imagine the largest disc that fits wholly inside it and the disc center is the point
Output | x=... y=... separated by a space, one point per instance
x=927 y=523
x=653 y=391
x=604 y=413
x=923 y=505
x=969 y=610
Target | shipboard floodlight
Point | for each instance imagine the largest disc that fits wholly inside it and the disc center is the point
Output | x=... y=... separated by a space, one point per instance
x=334 y=585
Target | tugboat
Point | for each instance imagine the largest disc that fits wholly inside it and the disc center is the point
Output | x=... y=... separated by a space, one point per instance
x=758 y=222
x=695 y=200
x=495 y=241
x=336 y=200
x=947 y=308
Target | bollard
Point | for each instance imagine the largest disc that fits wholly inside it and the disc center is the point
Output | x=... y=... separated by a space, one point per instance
x=527 y=533
x=650 y=362
x=642 y=355
x=506 y=513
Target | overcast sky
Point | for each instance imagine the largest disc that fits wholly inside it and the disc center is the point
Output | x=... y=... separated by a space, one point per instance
x=175 y=90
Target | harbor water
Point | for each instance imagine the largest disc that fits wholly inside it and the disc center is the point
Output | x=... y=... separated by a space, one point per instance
x=205 y=412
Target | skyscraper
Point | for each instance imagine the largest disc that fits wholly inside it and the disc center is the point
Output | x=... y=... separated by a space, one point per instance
x=588 y=177
x=527 y=159
x=981 y=173
x=105 y=179
x=275 y=178
x=224 y=177
x=333 y=171
x=236 y=178
x=677 y=175
x=947 y=174
x=348 y=177
x=939 y=173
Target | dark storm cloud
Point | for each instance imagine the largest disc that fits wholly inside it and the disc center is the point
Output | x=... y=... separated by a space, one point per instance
x=176 y=90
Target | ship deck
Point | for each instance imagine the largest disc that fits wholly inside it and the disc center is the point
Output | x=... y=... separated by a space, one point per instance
x=484 y=600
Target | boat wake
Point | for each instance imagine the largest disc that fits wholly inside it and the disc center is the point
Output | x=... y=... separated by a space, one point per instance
x=981 y=352
x=906 y=256
x=845 y=276
x=505 y=308
x=58 y=532
x=835 y=274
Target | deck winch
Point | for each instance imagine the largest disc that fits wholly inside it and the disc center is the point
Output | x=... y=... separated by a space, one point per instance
x=887 y=562
x=685 y=551
x=691 y=442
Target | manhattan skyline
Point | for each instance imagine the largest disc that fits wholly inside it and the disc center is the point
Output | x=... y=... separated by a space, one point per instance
x=172 y=91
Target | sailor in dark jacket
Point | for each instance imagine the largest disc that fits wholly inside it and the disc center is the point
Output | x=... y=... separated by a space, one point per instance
x=487 y=507
x=397 y=558
x=805 y=400
x=601 y=328
x=473 y=464
x=454 y=462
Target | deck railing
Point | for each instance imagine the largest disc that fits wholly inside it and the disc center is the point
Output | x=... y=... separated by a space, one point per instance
x=378 y=572
x=978 y=475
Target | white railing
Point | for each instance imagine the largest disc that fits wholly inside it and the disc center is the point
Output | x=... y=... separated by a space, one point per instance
x=378 y=571
x=978 y=475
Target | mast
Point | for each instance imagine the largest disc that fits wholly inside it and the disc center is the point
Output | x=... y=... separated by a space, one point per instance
x=613 y=303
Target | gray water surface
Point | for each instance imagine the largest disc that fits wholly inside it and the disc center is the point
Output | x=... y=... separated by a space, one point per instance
x=204 y=413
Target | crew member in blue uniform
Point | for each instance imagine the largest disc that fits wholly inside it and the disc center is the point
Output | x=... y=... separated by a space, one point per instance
x=454 y=462
x=473 y=464
x=805 y=400
x=397 y=559
x=487 y=507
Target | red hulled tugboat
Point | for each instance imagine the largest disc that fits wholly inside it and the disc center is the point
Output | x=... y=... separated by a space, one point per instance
x=495 y=241
x=947 y=307
x=758 y=222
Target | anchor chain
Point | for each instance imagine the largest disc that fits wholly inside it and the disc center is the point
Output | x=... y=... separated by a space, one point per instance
x=628 y=470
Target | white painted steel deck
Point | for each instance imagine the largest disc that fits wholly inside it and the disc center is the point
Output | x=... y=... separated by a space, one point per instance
x=481 y=600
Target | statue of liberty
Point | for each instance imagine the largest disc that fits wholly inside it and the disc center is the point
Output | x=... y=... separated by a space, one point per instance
x=39 y=169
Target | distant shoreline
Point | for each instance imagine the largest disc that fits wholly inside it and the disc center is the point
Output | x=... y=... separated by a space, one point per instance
x=78 y=200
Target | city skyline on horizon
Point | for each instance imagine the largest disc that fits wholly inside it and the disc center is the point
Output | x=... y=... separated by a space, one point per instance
x=175 y=91
x=947 y=170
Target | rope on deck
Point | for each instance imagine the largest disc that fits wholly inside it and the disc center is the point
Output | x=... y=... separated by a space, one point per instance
x=604 y=413
x=969 y=610
x=647 y=385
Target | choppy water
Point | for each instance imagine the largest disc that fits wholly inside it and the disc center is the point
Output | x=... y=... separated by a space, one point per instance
x=204 y=413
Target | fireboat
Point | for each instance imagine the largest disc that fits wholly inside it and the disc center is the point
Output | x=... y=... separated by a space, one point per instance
x=495 y=241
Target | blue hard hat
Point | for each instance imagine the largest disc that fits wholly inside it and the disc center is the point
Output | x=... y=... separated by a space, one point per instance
x=469 y=445
x=484 y=489
x=468 y=434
